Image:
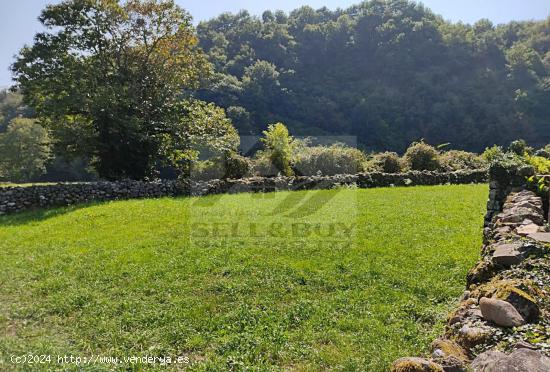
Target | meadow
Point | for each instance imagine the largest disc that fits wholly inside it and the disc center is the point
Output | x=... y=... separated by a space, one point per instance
x=345 y=279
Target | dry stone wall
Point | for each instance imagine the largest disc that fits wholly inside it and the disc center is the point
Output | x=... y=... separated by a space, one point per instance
x=502 y=323
x=15 y=199
x=503 y=181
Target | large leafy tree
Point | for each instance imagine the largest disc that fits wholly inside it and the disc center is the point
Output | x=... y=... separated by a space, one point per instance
x=109 y=78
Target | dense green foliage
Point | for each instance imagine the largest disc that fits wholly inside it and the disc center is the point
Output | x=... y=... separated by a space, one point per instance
x=111 y=80
x=122 y=88
x=279 y=148
x=328 y=160
x=387 y=162
x=421 y=156
x=455 y=160
x=11 y=106
x=389 y=72
x=541 y=164
x=168 y=277
x=201 y=132
x=25 y=148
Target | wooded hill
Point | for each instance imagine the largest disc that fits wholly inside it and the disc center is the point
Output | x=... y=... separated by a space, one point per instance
x=388 y=72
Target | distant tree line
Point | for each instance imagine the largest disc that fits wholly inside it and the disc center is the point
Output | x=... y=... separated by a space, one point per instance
x=130 y=89
x=389 y=72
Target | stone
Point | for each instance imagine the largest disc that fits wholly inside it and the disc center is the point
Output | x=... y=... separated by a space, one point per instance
x=529 y=203
x=507 y=254
x=516 y=215
x=451 y=364
x=474 y=313
x=522 y=195
x=542 y=237
x=469 y=336
x=482 y=272
x=500 y=312
x=520 y=360
x=415 y=365
x=504 y=230
x=18 y=198
x=525 y=230
x=448 y=348
x=461 y=313
x=524 y=345
x=524 y=303
x=456 y=317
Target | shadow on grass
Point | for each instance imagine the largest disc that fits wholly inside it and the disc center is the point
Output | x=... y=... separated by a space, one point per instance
x=38 y=215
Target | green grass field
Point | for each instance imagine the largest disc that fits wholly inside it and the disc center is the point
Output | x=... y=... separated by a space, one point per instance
x=342 y=279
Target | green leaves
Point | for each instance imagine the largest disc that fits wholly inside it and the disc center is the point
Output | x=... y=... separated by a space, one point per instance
x=24 y=150
x=540 y=182
x=279 y=146
x=121 y=67
x=388 y=72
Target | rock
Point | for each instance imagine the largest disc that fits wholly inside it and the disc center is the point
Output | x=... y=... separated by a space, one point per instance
x=500 y=312
x=507 y=254
x=542 y=237
x=521 y=360
x=529 y=203
x=524 y=345
x=474 y=313
x=469 y=337
x=450 y=364
x=482 y=272
x=460 y=314
x=525 y=230
x=415 y=365
x=521 y=293
x=502 y=233
x=448 y=348
x=456 y=317
x=522 y=195
x=516 y=215
x=525 y=304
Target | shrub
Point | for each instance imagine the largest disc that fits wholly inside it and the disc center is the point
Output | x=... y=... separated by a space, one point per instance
x=421 y=156
x=461 y=160
x=279 y=146
x=263 y=167
x=502 y=167
x=492 y=154
x=328 y=160
x=541 y=164
x=237 y=166
x=232 y=166
x=519 y=147
x=387 y=162
x=205 y=170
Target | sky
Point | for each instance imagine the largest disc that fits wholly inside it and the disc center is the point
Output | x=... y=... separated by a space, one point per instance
x=18 y=18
